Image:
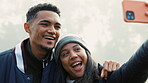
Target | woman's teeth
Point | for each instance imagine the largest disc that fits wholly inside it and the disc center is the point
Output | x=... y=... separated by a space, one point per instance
x=77 y=63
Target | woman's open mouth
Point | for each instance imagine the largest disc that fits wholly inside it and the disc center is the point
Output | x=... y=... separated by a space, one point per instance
x=77 y=65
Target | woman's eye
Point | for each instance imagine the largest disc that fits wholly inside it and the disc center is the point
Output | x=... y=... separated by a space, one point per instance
x=65 y=54
x=77 y=49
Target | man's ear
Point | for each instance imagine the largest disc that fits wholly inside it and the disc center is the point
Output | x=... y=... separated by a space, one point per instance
x=26 y=27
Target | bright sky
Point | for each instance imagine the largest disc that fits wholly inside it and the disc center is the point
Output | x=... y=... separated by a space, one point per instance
x=99 y=22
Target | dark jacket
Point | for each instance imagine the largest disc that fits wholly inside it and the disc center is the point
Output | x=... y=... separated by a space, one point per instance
x=10 y=73
x=135 y=70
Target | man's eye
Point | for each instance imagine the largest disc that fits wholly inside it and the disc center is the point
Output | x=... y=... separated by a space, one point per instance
x=57 y=27
x=43 y=24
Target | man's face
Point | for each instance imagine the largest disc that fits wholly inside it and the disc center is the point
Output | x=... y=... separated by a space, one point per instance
x=44 y=30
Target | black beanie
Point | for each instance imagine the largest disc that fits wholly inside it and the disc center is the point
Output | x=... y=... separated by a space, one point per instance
x=68 y=39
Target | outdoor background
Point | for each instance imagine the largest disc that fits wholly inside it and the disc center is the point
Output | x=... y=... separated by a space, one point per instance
x=99 y=22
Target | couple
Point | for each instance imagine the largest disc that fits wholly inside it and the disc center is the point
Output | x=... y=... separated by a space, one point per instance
x=31 y=61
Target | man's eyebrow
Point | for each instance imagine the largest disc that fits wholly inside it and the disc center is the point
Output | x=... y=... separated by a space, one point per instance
x=45 y=21
x=50 y=22
x=58 y=23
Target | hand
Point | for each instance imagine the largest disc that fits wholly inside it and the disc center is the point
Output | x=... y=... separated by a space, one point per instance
x=146 y=13
x=108 y=67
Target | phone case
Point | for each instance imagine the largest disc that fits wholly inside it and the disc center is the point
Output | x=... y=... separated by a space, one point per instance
x=134 y=11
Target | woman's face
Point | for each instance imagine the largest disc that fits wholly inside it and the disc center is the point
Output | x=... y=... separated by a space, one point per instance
x=73 y=58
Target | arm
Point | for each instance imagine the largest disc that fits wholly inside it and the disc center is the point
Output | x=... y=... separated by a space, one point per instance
x=135 y=70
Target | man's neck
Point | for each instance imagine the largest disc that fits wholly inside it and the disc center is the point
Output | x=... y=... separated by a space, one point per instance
x=40 y=53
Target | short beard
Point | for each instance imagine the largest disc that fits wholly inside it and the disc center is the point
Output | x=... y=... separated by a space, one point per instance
x=45 y=48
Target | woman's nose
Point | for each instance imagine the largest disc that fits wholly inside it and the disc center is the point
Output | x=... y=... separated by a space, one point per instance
x=73 y=55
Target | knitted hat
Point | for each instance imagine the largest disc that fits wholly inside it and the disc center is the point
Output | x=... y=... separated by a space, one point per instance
x=68 y=39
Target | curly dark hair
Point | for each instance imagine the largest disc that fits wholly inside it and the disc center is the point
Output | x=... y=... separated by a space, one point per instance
x=32 y=12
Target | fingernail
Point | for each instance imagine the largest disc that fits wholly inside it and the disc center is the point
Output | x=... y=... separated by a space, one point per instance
x=146 y=13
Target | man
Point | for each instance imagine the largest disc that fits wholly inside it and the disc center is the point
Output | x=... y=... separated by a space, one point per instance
x=31 y=61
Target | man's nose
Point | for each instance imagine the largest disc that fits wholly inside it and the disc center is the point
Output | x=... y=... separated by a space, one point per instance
x=52 y=30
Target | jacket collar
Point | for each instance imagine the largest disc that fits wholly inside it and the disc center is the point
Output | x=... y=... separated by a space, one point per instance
x=19 y=59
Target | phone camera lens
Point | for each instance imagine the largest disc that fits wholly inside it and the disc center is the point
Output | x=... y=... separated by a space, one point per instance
x=130 y=15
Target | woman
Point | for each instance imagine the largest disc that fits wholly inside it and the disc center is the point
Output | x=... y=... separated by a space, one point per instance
x=75 y=64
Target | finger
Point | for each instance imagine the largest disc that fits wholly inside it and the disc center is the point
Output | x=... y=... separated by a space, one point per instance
x=115 y=66
x=146 y=3
x=118 y=65
x=105 y=65
x=105 y=69
x=146 y=13
x=110 y=66
x=104 y=73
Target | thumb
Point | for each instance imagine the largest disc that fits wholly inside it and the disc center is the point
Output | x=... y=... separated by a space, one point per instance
x=104 y=73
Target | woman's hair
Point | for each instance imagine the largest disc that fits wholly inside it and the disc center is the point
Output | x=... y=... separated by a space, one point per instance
x=91 y=71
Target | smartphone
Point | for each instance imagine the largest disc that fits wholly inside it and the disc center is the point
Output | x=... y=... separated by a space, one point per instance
x=134 y=11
